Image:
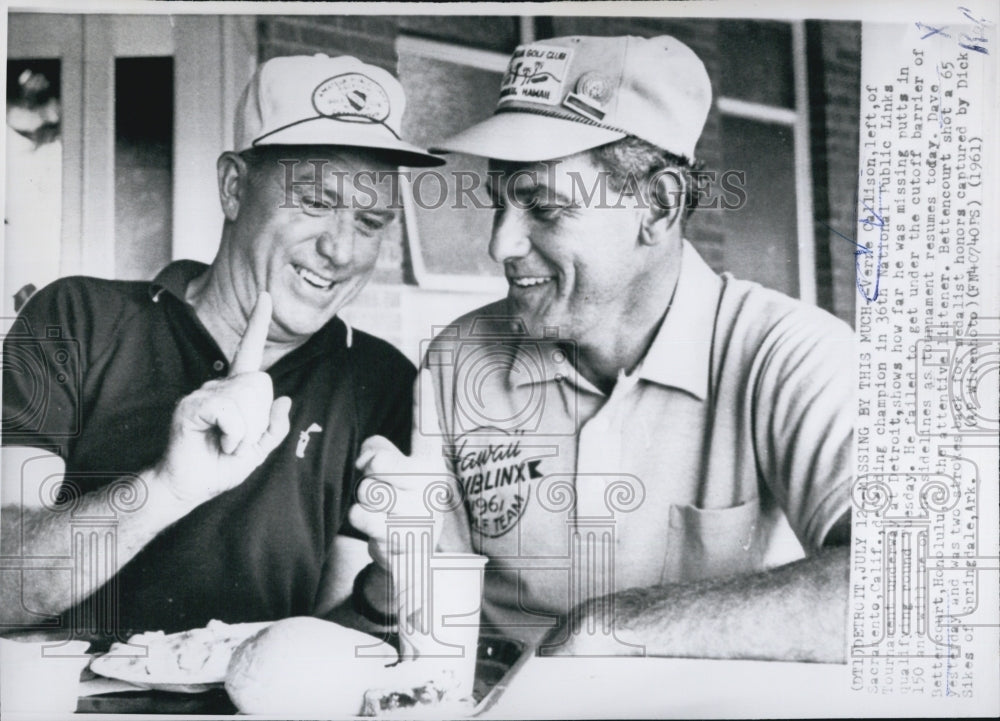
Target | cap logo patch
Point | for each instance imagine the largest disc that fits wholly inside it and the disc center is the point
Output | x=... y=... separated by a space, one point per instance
x=353 y=97
x=536 y=74
x=593 y=91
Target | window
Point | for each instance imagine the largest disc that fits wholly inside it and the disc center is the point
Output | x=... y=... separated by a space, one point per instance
x=144 y=128
x=765 y=132
x=449 y=88
x=33 y=213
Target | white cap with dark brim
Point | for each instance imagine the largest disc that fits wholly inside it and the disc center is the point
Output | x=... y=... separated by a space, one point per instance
x=319 y=100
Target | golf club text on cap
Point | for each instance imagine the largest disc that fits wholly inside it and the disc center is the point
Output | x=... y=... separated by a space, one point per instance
x=565 y=95
x=319 y=100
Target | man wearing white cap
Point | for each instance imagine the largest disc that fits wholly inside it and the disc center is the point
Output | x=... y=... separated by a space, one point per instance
x=213 y=415
x=632 y=432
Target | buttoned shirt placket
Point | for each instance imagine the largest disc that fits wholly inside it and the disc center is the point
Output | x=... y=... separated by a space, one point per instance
x=597 y=482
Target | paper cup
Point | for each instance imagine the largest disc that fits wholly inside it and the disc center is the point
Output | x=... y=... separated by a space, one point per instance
x=439 y=615
x=41 y=677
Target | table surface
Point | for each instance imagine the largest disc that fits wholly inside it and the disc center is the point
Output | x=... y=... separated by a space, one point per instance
x=633 y=687
x=580 y=687
x=684 y=688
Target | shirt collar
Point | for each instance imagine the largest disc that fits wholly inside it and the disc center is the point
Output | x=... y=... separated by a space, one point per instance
x=681 y=353
x=174 y=279
x=679 y=356
x=534 y=360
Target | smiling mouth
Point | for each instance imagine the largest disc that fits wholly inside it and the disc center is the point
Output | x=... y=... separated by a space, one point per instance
x=314 y=279
x=529 y=281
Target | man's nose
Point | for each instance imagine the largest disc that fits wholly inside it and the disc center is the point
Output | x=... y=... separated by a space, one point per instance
x=336 y=243
x=510 y=236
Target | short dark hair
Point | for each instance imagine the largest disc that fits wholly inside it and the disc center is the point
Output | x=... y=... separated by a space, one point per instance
x=632 y=159
x=263 y=160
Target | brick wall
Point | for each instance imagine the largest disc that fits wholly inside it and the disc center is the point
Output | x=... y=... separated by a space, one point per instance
x=370 y=38
x=834 y=67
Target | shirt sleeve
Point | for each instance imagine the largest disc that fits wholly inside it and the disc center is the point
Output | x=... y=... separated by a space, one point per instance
x=396 y=424
x=43 y=373
x=804 y=420
x=391 y=416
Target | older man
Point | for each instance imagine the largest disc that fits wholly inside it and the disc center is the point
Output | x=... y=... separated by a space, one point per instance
x=211 y=418
x=632 y=432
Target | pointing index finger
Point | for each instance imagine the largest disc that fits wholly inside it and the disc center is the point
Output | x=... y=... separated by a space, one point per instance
x=250 y=353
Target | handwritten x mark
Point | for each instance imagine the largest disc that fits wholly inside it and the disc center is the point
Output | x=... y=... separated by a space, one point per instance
x=876 y=220
x=932 y=30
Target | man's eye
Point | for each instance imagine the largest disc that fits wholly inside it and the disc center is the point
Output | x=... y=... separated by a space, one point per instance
x=373 y=222
x=544 y=211
x=316 y=204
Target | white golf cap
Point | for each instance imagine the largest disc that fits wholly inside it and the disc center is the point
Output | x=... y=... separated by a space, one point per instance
x=565 y=95
x=319 y=100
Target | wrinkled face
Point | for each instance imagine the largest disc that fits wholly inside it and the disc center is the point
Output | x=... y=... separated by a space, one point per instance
x=569 y=261
x=308 y=231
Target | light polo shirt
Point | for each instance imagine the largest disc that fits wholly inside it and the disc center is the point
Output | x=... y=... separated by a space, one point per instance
x=736 y=426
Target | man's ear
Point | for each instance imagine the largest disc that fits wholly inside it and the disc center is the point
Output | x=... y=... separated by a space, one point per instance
x=232 y=175
x=667 y=198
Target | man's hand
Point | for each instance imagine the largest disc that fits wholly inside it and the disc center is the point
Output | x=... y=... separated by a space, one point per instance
x=420 y=484
x=384 y=467
x=220 y=433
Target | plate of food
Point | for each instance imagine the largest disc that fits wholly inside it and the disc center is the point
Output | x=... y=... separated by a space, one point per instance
x=300 y=667
x=187 y=662
x=306 y=667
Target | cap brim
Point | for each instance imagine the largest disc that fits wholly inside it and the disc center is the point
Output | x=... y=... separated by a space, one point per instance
x=327 y=131
x=527 y=137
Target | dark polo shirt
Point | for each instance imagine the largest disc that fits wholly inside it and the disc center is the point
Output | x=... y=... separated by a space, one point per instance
x=93 y=370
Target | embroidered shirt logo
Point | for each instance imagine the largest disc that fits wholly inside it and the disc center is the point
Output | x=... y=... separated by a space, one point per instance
x=300 y=449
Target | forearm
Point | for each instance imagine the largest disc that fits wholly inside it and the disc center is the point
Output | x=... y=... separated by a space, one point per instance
x=795 y=612
x=43 y=539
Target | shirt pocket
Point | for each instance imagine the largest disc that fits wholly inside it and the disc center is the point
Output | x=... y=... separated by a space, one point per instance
x=711 y=542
